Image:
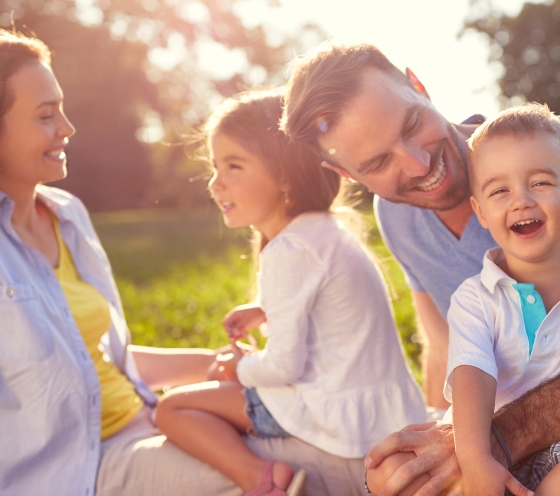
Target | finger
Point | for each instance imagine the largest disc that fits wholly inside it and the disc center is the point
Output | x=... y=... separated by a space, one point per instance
x=411 y=477
x=455 y=489
x=516 y=488
x=397 y=441
x=419 y=427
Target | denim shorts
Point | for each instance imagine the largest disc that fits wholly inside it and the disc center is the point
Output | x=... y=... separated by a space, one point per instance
x=263 y=422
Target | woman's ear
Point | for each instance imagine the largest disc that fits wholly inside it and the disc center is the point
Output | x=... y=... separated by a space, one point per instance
x=338 y=170
x=478 y=211
x=418 y=86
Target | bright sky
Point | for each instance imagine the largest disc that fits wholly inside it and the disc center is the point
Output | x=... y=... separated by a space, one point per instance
x=420 y=34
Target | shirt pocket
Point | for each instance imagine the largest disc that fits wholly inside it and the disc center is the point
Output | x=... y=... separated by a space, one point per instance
x=24 y=334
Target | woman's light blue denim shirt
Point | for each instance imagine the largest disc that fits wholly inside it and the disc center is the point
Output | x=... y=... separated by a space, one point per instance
x=50 y=404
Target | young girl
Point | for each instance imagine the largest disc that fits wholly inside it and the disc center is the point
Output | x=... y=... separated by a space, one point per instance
x=332 y=373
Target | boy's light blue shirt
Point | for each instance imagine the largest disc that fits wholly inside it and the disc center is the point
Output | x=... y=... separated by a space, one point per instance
x=49 y=391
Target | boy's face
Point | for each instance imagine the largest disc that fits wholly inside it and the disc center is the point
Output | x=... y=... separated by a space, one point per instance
x=516 y=194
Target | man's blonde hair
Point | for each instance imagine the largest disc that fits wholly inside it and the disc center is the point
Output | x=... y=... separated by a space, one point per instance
x=324 y=83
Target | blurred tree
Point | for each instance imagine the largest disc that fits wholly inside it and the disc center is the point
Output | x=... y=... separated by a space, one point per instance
x=136 y=72
x=528 y=48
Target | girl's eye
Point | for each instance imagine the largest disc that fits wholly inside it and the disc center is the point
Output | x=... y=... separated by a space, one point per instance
x=234 y=166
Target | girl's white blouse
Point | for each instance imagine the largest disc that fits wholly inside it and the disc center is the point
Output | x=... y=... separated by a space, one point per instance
x=333 y=372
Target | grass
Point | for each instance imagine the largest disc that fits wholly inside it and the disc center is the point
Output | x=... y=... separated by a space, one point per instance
x=179 y=272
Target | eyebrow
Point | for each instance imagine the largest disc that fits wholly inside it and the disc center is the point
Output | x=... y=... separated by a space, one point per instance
x=547 y=170
x=363 y=166
x=51 y=103
x=234 y=158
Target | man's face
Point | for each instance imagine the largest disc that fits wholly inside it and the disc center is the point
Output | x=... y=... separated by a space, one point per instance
x=392 y=140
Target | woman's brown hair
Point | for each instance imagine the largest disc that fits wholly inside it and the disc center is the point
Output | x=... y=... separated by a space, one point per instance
x=17 y=50
x=253 y=119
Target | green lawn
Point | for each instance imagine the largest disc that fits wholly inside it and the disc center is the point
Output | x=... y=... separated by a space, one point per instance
x=179 y=272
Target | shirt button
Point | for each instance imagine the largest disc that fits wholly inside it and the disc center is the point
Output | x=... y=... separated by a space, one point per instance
x=531 y=299
x=10 y=292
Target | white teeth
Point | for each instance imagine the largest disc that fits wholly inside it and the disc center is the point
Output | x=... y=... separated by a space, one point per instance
x=436 y=180
x=523 y=222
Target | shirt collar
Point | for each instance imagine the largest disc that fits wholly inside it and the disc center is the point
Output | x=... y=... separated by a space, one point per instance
x=53 y=198
x=491 y=274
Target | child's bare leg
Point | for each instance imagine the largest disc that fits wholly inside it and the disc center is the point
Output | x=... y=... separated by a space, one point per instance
x=376 y=477
x=550 y=485
x=207 y=420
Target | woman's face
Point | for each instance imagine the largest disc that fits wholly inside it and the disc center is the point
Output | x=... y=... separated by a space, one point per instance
x=34 y=131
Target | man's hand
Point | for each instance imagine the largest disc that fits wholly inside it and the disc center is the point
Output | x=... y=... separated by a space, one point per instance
x=433 y=444
x=242 y=318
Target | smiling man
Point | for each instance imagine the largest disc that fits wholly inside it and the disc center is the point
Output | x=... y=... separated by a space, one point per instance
x=377 y=125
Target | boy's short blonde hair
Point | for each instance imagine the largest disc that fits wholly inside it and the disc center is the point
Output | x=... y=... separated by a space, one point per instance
x=528 y=119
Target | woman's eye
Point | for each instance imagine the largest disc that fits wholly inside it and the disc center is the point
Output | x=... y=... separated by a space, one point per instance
x=46 y=117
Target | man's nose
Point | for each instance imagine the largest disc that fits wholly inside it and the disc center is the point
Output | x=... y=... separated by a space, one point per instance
x=414 y=159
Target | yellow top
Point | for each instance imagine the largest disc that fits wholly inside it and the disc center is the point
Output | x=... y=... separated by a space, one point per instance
x=119 y=400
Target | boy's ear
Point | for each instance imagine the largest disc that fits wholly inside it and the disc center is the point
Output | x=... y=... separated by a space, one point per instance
x=478 y=211
x=418 y=86
x=338 y=170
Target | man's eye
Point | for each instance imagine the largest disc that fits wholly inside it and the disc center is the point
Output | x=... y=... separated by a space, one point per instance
x=413 y=126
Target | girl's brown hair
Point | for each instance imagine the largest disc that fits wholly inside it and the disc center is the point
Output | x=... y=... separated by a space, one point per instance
x=252 y=119
x=17 y=50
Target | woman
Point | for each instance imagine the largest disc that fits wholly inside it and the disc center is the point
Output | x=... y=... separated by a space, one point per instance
x=67 y=380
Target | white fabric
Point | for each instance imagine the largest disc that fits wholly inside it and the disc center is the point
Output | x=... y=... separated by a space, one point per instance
x=333 y=372
x=487 y=331
x=140 y=461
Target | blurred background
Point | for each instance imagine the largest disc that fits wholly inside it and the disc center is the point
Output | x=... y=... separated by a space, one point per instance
x=140 y=75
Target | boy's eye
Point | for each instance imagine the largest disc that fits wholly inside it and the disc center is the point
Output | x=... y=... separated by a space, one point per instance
x=498 y=191
x=542 y=183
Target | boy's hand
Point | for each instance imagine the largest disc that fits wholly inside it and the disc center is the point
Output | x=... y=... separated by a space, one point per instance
x=242 y=318
x=487 y=477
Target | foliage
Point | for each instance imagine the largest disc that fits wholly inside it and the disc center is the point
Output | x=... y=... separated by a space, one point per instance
x=528 y=48
x=179 y=273
x=132 y=73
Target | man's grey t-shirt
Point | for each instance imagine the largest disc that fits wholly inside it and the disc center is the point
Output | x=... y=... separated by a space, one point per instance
x=433 y=259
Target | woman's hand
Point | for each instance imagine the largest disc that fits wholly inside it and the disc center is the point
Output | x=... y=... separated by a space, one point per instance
x=242 y=318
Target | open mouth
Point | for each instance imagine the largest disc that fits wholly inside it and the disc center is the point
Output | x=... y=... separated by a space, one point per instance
x=436 y=179
x=226 y=206
x=528 y=226
x=57 y=154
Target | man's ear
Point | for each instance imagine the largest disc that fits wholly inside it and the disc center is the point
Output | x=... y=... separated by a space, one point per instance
x=478 y=211
x=418 y=86
x=338 y=170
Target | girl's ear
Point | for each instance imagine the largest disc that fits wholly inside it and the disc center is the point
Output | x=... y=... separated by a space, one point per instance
x=418 y=86
x=478 y=211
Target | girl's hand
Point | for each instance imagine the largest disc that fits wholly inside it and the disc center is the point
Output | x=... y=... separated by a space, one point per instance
x=489 y=478
x=242 y=318
x=225 y=366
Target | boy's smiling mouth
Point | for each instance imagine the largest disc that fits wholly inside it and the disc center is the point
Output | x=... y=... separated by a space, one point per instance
x=527 y=227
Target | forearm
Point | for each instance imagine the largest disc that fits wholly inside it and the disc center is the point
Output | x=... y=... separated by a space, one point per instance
x=474 y=392
x=169 y=367
x=530 y=423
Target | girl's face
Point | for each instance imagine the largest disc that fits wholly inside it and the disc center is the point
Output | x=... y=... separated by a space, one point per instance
x=35 y=130
x=244 y=189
